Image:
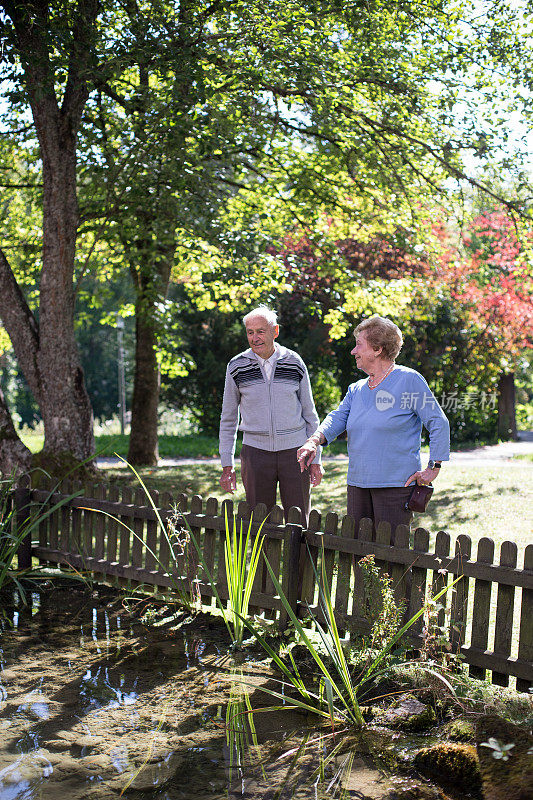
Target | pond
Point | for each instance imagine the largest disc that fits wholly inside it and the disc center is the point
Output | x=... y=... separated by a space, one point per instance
x=96 y=704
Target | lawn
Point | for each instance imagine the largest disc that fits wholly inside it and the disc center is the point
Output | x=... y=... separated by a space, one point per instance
x=475 y=500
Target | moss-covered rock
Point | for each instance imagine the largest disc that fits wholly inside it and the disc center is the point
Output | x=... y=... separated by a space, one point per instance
x=459 y=730
x=407 y=714
x=450 y=764
x=510 y=778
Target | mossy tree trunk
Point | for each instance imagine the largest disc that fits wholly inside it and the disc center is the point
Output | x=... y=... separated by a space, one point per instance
x=46 y=347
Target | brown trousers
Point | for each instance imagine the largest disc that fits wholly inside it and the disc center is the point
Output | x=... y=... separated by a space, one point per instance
x=262 y=470
x=386 y=503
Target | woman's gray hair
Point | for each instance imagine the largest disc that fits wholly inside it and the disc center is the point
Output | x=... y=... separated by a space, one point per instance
x=262 y=311
x=382 y=332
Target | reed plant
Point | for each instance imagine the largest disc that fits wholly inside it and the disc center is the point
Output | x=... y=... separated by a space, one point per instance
x=241 y=559
x=340 y=687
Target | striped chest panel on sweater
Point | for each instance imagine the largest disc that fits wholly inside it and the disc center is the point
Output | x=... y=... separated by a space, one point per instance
x=288 y=373
x=247 y=374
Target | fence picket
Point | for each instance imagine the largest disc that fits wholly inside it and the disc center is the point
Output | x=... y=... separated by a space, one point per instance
x=137 y=526
x=331 y=526
x=401 y=575
x=164 y=546
x=209 y=544
x=419 y=581
x=481 y=610
x=113 y=495
x=503 y=632
x=272 y=549
x=65 y=519
x=440 y=577
x=98 y=524
x=344 y=575
x=459 y=609
x=310 y=560
x=525 y=638
x=358 y=621
x=151 y=538
x=124 y=534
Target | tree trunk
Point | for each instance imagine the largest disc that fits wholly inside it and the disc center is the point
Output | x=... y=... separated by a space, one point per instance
x=15 y=457
x=507 y=407
x=143 y=445
x=151 y=286
x=47 y=351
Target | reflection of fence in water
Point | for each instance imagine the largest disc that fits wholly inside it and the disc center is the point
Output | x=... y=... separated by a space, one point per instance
x=484 y=615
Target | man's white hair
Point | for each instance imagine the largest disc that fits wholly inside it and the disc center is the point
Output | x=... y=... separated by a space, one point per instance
x=262 y=311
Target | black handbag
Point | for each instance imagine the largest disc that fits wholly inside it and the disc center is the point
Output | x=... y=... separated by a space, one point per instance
x=419 y=498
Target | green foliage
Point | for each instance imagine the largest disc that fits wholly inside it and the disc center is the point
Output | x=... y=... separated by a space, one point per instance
x=339 y=690
x=13 y=533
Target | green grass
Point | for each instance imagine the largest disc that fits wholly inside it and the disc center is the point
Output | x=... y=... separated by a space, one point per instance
x=475 y=500
x=192 y=445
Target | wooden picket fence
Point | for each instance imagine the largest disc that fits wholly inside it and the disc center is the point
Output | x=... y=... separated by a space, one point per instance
x=115 y=536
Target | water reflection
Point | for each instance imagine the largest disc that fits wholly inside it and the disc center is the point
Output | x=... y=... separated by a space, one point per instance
x=97 y=690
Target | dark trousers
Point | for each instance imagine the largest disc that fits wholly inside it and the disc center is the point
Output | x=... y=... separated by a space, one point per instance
x=386 y=503
x=262 y=470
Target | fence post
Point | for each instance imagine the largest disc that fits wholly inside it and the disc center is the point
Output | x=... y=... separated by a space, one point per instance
x=22 y=516
x=291 y=571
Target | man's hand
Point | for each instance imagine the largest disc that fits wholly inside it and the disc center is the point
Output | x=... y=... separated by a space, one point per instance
x=315 y=474
x=228 y=479
x=424 y=477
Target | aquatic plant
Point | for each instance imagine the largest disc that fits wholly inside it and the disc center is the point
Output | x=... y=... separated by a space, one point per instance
x=339 y=688
x=13 y=532
x=241 y=564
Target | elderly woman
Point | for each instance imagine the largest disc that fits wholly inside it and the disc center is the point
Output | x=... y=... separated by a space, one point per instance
x=383 y=417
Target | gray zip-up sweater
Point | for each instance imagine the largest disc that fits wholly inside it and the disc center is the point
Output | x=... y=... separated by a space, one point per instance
x=275 y=415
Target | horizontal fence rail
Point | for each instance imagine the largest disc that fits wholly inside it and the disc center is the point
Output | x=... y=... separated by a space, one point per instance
x=117 y=535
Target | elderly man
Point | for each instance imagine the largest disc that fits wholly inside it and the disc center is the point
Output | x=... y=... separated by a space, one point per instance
x=269 y=385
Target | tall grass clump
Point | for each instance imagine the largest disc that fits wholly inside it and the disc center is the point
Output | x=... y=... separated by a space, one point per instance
x=13 y=533
x=241 y=558
x=340 y=686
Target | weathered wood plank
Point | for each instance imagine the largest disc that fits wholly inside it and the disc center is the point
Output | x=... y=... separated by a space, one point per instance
x=137 y=527
x=503 y=632
x=328 y=555
x=401 y=575
x=99 y=525
x=417 y=599
x=358 y=622
x=310 y=560
x=459 y=607
x=440 y=576
x=209 y=545
x=151 y=538
x=272 y=549
x=525 y=638
x=124 y=533
x=112 y=524
x=344 y=576
x=481 y=609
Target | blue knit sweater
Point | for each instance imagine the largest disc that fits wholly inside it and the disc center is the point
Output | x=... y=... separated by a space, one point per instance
x=384 y=427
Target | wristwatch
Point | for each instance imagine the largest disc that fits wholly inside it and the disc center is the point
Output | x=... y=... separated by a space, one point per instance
x=434 y=464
